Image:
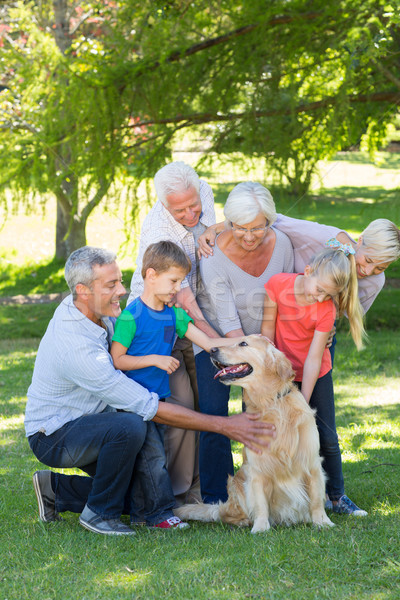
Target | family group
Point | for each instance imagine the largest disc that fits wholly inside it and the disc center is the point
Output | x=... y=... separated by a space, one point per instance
x=129 y=396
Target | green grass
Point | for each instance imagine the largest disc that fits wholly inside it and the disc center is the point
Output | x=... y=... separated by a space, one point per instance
x=44 y=277
x=18 y=321
x=385 y=160
x=31 y=320
x=357 y=560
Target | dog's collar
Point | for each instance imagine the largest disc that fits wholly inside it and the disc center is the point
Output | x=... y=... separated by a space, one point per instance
x=284 y=393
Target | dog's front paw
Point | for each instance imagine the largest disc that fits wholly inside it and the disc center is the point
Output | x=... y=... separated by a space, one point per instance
x=260 y=525
x=323 y=521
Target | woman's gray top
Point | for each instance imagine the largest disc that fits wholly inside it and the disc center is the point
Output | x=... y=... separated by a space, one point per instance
x=232 y=299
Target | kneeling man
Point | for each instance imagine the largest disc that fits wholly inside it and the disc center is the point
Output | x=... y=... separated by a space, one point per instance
x=81 y=412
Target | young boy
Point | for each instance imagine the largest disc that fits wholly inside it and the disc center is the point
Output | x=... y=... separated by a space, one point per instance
x=143 y=339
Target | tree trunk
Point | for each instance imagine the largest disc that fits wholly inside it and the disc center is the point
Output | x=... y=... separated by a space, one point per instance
x=69 y=235
x=70 y=228
x=61 y=232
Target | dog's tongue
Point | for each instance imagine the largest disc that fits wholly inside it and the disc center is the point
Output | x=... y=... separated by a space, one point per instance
x=232 y=369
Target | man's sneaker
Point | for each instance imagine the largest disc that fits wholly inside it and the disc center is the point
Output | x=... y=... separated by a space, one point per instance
x=345 y=506
x=45 y=496
x=93 y=522
x=328 y=504
x=171 y=523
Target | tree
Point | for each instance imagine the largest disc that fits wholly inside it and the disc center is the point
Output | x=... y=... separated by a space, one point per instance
x=96 y=92
x=61 y=121
x=295 y=86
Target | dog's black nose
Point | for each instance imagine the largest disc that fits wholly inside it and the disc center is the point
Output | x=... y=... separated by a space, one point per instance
x=213 y=350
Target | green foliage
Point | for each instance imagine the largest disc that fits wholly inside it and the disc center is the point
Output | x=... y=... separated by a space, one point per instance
x=95 y=92
x=298 y=96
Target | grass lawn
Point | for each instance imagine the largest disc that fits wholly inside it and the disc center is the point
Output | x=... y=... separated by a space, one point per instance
x=357 y=560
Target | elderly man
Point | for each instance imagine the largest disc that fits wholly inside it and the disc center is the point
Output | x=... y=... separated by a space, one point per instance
x=81 y=412
x=183 y=211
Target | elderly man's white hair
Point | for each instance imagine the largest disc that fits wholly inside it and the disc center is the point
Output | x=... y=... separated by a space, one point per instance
x=176 y=177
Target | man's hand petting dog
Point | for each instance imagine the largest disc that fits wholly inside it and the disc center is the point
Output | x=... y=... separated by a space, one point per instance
x=250 y=431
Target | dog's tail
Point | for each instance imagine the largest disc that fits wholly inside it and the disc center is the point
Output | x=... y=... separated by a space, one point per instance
x=199 y=512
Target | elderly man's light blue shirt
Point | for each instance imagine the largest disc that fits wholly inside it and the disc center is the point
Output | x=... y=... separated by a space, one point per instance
x=74 y=375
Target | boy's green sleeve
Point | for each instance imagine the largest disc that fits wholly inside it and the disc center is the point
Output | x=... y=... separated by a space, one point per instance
x=125 y=329
x=182 y=321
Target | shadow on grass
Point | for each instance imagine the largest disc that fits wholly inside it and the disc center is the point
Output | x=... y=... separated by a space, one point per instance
x=358 y=194
x=374 y=478
x=221 y=192
x=25 y=321
x=346 y=415
x=386 y=160
x=351 y=208
x=385 y=314
x=352 y=214
x=9 y=407
x=32 y=278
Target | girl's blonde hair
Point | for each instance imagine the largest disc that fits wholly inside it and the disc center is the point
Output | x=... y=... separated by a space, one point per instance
x=333 y=263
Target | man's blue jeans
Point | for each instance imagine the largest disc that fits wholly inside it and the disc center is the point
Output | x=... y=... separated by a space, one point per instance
x=215 y=456
x=124 y=457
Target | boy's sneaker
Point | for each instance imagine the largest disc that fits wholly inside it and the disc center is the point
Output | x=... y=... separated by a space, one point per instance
x=328 y=504
x=345 y=506
x=46 y=498
x=171 y=523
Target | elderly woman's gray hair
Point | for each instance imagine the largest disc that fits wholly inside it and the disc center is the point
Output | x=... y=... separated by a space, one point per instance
x=174 y=178
x=381 y=241
x=79 y=267
x=246 y=201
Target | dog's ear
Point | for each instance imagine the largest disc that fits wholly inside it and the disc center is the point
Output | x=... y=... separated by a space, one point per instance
x=284 y=369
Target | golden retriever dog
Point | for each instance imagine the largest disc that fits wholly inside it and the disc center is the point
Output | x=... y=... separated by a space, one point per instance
x=285 y=484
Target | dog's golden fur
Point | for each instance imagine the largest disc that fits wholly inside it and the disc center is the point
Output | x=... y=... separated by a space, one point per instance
x=284 y=484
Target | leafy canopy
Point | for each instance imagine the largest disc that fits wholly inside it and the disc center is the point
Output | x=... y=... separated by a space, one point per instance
x=95 y=93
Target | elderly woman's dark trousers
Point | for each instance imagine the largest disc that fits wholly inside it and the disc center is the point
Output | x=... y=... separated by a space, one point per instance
x=215 y=456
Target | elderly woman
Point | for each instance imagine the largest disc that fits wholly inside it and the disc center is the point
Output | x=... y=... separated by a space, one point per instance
x=246 y=254
x=377 y=247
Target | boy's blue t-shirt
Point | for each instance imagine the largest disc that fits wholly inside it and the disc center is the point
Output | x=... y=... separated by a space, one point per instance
x=145 y=331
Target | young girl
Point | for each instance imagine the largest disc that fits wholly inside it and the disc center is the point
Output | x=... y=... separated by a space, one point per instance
x=299 y=313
